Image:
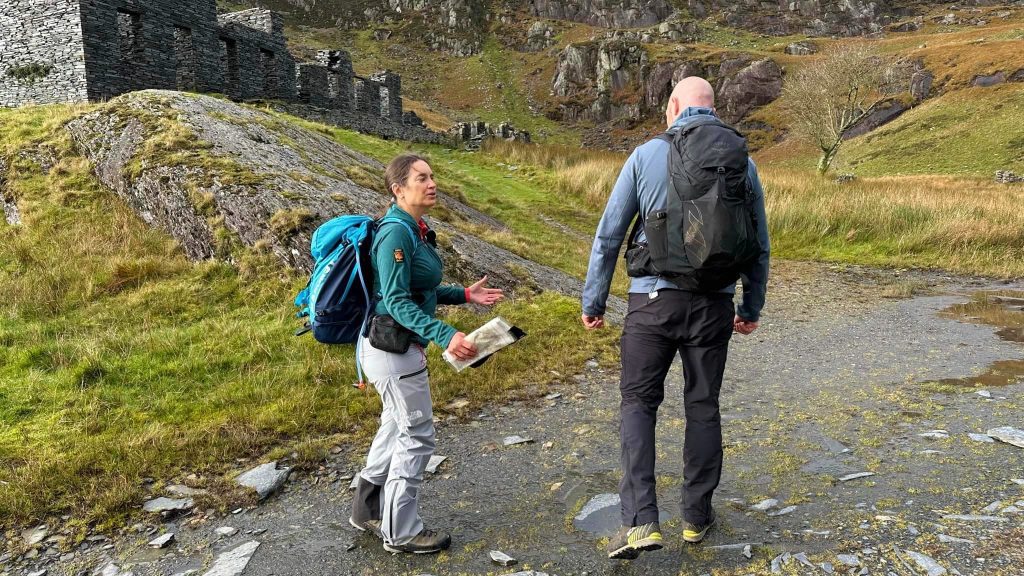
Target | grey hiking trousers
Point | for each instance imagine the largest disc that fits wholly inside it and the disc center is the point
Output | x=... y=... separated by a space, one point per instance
x=405 y=440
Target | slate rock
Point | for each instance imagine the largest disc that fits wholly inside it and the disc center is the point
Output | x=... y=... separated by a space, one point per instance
x=234 y=561
x=162 y=541
x=502 y=558
x=947 y=539
x=265 y=479
x=226 y=531
x=926 y=563
x=35 y=535
x=595 y=515
x=1009 y=435
x=848 y=559
x=515 y=439
x=765 y=504
x=980 y=437
x=157 y=505
x=855 y=476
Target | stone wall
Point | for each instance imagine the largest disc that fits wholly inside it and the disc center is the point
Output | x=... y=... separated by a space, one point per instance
x=42 y=58
x=137 y=44
x=78 y=50
x=255 y=57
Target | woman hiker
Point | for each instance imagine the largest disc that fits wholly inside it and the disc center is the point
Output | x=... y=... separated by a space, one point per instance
x=407 y=281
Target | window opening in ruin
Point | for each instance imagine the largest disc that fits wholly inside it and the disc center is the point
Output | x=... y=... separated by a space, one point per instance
x=129 y=31
x=268 y=70
x=229 y=65
x=184 y=59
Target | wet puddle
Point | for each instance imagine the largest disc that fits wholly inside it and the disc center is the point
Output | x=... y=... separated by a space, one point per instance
x=1003 y=309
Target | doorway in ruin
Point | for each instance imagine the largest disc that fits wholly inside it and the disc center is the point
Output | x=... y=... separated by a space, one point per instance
x=268 y=71
x=130 y=49
x=229 y=65
x=184 y=60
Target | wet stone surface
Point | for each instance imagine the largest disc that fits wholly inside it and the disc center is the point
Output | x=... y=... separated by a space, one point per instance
x=837 y=381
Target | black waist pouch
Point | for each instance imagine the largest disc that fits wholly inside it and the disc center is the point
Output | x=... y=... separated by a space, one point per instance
x=388 y=335
x=638 y=261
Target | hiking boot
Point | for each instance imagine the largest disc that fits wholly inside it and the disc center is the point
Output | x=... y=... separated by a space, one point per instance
x=371 y=526
x=426 y=542
x=365 y=505
x=694 y=533
x=629 y=542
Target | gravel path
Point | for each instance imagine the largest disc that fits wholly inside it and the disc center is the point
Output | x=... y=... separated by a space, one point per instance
x=839 y=380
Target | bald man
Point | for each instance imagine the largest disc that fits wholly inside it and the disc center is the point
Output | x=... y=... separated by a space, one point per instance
x=664 y=320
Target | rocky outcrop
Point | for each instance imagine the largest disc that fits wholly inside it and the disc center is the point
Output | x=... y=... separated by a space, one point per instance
x=598 y=80
x=811 y=17
x=472 y=134
x=540 y=36
x=802 y=48
x=882 y=114
x=606 y=13
x=262 y=183
x=753 y=86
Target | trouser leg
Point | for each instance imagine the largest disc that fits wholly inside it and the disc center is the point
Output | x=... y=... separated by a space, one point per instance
x=704 y=356
x=646 y=355
x=407 y=392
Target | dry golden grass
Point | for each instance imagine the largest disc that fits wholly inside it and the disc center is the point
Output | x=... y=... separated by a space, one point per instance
x=578 y=172
x=958 y=224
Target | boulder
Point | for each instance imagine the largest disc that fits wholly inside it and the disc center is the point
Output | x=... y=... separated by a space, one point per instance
x=757 y=84
x=986 y=80
x=921 y=84
x=801 y=48
x=541 y=35
x=265 y=479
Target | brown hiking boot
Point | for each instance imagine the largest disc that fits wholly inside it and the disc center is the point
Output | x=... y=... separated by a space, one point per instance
x=426 y=542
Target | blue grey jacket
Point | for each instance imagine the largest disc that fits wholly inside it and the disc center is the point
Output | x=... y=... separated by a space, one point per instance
x=643 y=186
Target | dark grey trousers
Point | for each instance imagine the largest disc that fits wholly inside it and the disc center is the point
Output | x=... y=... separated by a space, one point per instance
x=698 y=328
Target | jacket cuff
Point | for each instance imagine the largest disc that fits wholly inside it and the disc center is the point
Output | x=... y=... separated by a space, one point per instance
x=466 y=292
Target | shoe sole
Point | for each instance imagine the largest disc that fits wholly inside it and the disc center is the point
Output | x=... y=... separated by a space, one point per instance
x=632 y=551
x=356 y=525
x=400 y=551
x=699 y=535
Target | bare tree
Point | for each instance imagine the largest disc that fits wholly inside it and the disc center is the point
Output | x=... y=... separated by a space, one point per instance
x=829 y=96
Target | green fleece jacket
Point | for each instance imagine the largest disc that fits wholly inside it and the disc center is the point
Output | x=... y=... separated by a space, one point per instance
x=407 y=279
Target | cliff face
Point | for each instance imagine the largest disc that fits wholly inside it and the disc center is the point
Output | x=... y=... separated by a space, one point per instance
x=604 y=13
x=812 y=17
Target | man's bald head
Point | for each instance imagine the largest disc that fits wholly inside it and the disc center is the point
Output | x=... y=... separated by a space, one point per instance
x=690 y=91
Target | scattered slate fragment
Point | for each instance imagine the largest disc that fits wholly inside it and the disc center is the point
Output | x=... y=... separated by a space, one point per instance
x=233 y=562
x=926 y=563
x=1009 y=435
x=35 y=535
x=765 y=504
x=162 y=541
x=984 y=393
x=827 y=568
x=501 y=558
x=265 y=479
x=855 y=476
x=434 y=462
x=38 y=573
x=168 y=505
x=553 y=396
x=848 y=559
x=934 y=434
x=226 y=531
x=973 y=518
x=783 y=512
x=980 y=437
x=182 y=491
x=528 y=573
x=747 y=552
x=947 y=539
x=516 y=439
x=992 y=507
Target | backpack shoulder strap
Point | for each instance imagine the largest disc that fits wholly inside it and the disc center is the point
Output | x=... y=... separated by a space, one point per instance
x=412 y=234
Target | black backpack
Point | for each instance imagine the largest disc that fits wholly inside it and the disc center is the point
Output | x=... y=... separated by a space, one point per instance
x=707 y=234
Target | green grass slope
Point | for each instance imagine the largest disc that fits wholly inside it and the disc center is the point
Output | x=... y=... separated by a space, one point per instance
x=123 y=360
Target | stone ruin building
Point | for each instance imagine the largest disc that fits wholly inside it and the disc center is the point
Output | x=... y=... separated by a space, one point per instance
x=54 y=51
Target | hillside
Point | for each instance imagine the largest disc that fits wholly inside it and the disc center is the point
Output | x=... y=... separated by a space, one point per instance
x=520 y=51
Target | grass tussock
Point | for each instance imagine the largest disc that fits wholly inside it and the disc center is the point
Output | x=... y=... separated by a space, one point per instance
x=958 y=224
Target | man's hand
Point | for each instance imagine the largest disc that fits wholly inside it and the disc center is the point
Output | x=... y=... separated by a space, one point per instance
x=460 y=348
x=479 y=294
x=592 y=322
x=744 y=326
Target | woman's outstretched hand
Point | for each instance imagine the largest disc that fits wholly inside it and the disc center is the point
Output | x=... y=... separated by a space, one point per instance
x=479 y=294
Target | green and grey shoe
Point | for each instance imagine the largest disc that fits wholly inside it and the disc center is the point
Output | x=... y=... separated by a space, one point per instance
x=629 y=542
x=694 y=533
